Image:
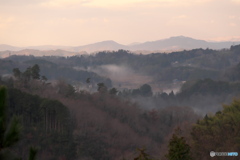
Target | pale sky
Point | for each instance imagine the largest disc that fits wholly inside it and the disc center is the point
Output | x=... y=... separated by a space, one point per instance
x=80 y=22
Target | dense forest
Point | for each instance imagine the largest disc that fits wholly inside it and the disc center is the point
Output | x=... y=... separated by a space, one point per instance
x=119 y=105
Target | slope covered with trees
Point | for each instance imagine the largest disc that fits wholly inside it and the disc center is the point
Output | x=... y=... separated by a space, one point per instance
x=66 y=122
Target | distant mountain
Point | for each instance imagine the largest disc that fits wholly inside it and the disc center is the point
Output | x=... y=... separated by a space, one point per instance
x=35 y=52
x=100 y=46
x=170 y=44
x=134 y=43
x=5 y=47
x=50 y=47
x=181 y=42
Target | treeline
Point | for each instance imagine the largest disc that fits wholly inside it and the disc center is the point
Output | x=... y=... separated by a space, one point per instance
x=181 y=66
x=203 y=95
x=51 y=70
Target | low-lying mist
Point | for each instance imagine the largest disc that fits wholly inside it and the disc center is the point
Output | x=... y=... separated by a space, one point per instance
x=121 y=75
x=125 y=78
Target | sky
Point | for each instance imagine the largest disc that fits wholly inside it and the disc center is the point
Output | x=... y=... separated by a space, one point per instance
x=81 y=22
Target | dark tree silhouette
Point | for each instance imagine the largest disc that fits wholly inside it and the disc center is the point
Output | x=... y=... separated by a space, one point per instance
x=178 y=149
x=10 y=133
x=35 y=70
x=101 y=87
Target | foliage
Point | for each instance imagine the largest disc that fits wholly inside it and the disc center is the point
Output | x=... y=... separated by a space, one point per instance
x=46 y=124
x=113 y=91
x=56 y=70
x=108 y=126
x=144 y=90
x=178 y=148
x=9 y=133
x=142 y=155
x=32 y=153
x=64 y=88
x=35 y=72
x=102 y=88
x=16 y=72
x=219 y=132
x=208 y=87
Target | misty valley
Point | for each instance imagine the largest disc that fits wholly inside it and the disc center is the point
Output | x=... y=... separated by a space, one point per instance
x=119 y=105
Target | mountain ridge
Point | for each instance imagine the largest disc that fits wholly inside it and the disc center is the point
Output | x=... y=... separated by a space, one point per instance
x=172 y=43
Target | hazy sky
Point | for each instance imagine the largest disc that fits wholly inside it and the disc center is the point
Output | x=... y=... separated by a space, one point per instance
x=79 y=22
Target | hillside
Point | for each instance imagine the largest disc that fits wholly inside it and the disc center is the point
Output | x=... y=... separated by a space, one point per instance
x=107 y=105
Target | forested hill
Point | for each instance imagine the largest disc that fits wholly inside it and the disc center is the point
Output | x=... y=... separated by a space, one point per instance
x=99 y=107
x=123 y=69
x=184 y=65
x=64 y=124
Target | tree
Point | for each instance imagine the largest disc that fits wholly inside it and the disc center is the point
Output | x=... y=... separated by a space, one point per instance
x=32 y=153
x=88 y=80
x=44 y=79
x=178 y=149
x=64 y=88
x=9 y=133
x=146 y=90
x=30 y=72
x=17 y=73
x=101 y=87
x=142 y=155
x=27 y=74
x=35 y=72
x=219 y=132
x=113 y=91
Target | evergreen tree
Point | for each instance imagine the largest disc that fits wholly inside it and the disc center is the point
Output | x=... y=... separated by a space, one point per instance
x=142 y=155
x=32 y=153
x=9 y=133
x=35 y=72
x=27 y=74
x=219 y=132
x=178 y=149
x=17 y=73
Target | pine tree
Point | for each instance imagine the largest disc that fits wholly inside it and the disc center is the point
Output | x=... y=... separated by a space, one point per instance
x=178 y=149
x=9 y=133
x=142 y=155
x=17 y=73
x=35 y=72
